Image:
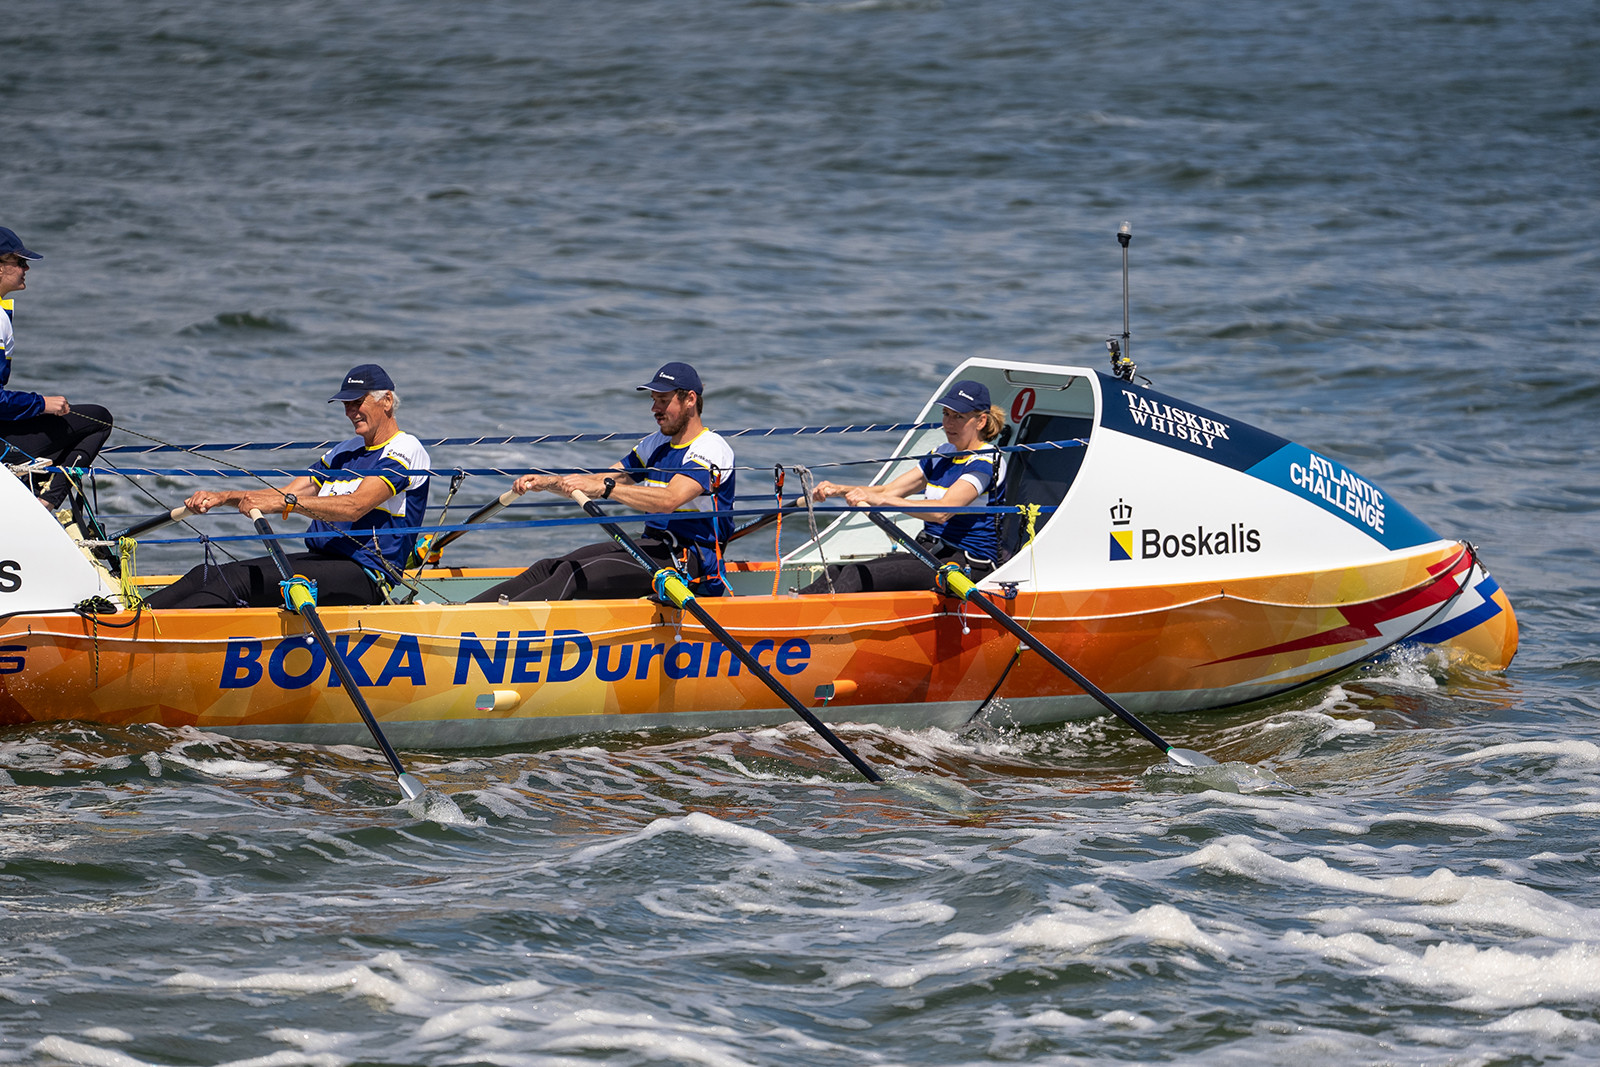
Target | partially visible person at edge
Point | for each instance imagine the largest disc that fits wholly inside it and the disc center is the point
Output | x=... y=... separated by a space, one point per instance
x=34 y=426
x=359 y=493
x=683 y=471
x=947 y=479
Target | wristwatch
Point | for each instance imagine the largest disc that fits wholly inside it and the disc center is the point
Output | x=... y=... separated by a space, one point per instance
x=289 y=501
x=610 y=483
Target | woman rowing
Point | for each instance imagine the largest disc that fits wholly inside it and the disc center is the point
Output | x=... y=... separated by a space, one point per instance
x=958 y=474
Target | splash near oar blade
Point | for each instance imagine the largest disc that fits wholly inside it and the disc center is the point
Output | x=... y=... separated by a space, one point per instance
x=300 y=600
x=670 y=586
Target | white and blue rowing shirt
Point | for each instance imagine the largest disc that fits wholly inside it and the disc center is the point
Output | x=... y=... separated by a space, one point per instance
x=697 y=526
x=341 y=470
x=976 y=535
x=14 y=404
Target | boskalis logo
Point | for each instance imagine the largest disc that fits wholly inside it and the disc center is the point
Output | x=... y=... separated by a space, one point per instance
x=1121 y=531
x=1157 y=544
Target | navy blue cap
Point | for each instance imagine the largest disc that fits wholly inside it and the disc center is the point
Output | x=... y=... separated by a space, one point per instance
x=966 y=395
x=674 y=376
x=11 y=245
x=361 y=381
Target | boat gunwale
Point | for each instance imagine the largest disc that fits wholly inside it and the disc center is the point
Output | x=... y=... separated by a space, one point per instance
x=89 y=625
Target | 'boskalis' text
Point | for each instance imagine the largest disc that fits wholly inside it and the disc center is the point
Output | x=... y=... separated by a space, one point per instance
x=1154 y=544
x=1344 y=491
x=1174 y=422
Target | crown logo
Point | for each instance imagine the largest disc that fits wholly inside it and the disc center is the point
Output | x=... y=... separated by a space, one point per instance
x=1121 y=514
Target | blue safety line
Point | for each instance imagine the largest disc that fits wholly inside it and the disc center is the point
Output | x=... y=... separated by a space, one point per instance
x=537 y=439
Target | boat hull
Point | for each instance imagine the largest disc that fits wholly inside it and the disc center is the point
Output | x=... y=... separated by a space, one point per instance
x=470 y=675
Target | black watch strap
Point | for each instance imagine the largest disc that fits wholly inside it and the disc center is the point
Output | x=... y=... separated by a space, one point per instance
x=611 y=483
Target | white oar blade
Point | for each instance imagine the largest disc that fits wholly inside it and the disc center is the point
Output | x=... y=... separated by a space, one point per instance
x=410 y=787
x=1188 y=757
x=945 y=794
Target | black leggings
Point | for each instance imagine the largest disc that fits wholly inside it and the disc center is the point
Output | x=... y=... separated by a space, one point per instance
x=71 y=440
x=594 y=572
x=253 y=583
x=894 y=573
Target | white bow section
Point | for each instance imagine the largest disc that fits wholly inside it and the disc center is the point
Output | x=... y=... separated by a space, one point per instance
x=41 y=568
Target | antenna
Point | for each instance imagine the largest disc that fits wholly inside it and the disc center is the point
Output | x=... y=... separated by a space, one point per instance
x=1122 y=364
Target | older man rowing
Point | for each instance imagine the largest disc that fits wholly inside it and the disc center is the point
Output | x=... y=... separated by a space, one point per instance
x=357 y=496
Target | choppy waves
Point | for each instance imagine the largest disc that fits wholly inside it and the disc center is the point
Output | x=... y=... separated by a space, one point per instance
x=736 y=898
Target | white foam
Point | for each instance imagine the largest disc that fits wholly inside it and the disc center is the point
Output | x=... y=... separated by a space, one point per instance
x=1069 y=930
x=1481 y=979
x=1360 y=919
x=88 y=1055
x=241 y=770
x=1440 y=897
x=414 y=989
x=472 y=1020
x=106 y=1034
x=435 y=806
x=701 y=825
x=672 y=1047
x=1568 y=753
x=1547 y=1024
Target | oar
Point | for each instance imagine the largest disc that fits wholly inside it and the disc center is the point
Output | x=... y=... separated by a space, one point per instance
x=483 y=514
x=302 y=603
x=671 y=584
x=962 y=586
x=764 y=521
x=144 y=526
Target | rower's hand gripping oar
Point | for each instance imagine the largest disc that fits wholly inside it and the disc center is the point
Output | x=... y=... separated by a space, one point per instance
x=671 y=586
x=951 y=577
x=301 y=602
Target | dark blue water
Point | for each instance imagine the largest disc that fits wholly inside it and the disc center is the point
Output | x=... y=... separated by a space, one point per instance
x=1370 y=227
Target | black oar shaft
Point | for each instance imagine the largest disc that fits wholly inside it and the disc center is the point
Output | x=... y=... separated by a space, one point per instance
x=302 y=604
x=483 y=514
x=144 y=526
x=964 y=587
x=682 y=597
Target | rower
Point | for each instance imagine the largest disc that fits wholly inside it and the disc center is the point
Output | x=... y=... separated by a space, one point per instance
x=957 y=474
x=682 y=472
x=34 y=426
x=357 y=496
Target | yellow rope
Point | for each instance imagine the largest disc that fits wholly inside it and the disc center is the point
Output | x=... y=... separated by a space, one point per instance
x=1030 y=512
x=131 y=599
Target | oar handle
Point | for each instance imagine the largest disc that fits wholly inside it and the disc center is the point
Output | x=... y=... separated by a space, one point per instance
x=144 y=526
x=965 y=588
x=681 y=596
x=409 y=786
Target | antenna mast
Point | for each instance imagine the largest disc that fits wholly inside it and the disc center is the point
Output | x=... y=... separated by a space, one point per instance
x=1122 y=364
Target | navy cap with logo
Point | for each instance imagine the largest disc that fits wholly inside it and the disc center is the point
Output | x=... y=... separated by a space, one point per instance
x=361 y=381
x=966 y=395
x=674 y=376
x=11 y=245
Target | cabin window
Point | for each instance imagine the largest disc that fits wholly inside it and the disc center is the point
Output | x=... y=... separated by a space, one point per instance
x=1040 y=477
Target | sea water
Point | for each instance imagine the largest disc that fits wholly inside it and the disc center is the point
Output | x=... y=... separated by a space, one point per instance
x=1368 y=226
